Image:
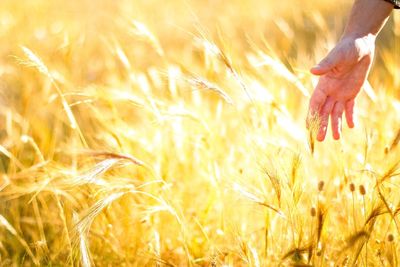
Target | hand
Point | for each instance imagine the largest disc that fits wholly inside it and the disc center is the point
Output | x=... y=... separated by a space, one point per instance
x=343 y=73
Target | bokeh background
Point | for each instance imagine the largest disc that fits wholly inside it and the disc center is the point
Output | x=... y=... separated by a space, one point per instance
x=171 y=133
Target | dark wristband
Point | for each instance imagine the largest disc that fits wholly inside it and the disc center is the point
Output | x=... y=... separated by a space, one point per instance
x=396 y=3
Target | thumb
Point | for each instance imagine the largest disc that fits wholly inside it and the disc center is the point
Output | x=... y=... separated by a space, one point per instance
x=324 y=66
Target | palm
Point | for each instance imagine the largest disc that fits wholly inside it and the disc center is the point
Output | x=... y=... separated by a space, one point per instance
x=344 y=84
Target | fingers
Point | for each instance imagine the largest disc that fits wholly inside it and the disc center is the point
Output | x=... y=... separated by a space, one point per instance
x=317 y=100
x=325 y=65
x=324 y=118
x=336 y=120
x=349 y=110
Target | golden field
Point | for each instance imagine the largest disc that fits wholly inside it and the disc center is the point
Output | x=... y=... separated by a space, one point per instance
x=172 y=133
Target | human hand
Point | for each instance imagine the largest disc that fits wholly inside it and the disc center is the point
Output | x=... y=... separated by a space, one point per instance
x=342 y=74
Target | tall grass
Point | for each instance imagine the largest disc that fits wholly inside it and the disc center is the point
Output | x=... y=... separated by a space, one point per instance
x=172 y=133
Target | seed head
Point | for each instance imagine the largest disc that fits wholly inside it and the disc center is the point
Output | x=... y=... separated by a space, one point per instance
x=321 y=185
x=362 y=190
x=390 y=238
x=313 y=212
x=352 y=187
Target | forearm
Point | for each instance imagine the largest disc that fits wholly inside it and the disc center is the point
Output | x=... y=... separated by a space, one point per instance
x=367 y=18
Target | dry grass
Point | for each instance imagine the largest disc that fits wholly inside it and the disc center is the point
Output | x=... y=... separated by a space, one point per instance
x=172 y=133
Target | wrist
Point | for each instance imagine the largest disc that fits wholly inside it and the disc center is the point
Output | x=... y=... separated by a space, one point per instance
x=364 y=45
x=368 y=38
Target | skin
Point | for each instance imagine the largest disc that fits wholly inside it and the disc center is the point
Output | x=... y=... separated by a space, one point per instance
x=345 y=69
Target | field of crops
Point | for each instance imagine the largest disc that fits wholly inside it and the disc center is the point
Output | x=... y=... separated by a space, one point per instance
x=172 y=133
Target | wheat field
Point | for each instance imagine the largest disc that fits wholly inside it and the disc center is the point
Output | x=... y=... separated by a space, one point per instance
x=172 y=133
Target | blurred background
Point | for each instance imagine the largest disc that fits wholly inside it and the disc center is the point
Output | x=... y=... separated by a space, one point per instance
x=171 y=133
